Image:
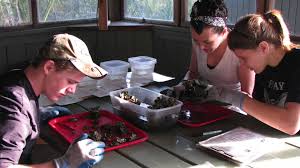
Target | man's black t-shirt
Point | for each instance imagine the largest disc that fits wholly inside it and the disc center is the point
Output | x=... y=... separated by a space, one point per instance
x=18 y=118
x=280 y=84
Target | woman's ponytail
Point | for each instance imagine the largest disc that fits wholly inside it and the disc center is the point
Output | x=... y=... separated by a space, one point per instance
x=275 y=19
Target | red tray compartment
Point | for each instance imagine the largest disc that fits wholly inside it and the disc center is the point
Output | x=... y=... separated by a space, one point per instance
x=71 y=127
x=203 y=114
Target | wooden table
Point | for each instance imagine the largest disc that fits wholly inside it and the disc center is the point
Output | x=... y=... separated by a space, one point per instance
x=175 y=147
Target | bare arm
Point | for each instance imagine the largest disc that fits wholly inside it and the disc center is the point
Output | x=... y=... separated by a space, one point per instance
x=247 y=78
x=285 y=119
x=49 y=164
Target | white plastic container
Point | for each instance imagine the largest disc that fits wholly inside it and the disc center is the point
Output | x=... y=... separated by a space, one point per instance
x=141 y=115
x=116 y=69
x=142 y=65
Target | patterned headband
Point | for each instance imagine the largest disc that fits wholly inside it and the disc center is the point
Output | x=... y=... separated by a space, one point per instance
x=211 y=20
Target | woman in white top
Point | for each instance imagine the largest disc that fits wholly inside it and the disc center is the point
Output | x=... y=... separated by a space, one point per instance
x=211 y=59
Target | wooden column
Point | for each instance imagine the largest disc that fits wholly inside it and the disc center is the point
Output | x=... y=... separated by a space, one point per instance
x=264 y=5
x=270 y=5
x=177 y=12
x=260 y=6
x=34 y=15
x=103 y=15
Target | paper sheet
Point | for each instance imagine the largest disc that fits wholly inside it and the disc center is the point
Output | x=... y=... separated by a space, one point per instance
x=294 y=141
x=239 y=145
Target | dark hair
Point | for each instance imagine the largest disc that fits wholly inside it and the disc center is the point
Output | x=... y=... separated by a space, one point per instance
x=252 y=29
x=43 y=55
x=214 y=8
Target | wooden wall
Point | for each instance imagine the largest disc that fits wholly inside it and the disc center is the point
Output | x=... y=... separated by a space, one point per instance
x=18 y=47
x=172 y=49
x=115 y=44
x=171 y=46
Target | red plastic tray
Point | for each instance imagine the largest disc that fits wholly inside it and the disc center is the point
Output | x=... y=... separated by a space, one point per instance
x=71 y=130
x=203 y=114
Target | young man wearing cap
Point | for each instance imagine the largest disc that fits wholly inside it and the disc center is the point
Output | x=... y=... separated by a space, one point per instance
x=60 y=65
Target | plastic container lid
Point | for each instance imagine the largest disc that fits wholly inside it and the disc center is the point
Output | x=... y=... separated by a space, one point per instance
x=142 y=61
x=115 y=67
x=142 y=65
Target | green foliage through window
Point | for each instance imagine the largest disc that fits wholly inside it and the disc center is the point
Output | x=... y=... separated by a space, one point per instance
x=63 y=10
x=14 y=12
x=149 y=9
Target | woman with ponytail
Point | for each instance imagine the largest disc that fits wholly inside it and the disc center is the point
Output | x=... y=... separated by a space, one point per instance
x=262 y=42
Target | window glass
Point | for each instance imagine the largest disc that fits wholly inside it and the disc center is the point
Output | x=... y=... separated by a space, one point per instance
x=236 y=9
x=65 y=10
x=290 y=11
x=190 y=5
x=15 y=12
x=149 y=9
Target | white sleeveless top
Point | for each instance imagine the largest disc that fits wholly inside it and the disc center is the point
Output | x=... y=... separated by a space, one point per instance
x=225 y=74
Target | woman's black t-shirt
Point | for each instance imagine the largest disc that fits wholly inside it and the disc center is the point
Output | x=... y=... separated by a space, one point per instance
x=280 y=84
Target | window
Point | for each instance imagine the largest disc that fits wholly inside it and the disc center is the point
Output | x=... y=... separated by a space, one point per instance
x=236 y=9
x=15 y=13
x=290 y=11
x=161 y=10
x=64 y=10
x=31 y=13
x=189 y=10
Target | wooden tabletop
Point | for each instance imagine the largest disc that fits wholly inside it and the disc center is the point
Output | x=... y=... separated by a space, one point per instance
x=175 y=147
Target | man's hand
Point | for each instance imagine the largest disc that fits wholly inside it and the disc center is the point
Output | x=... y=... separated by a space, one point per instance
x=49 y=112
x=82 y=153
